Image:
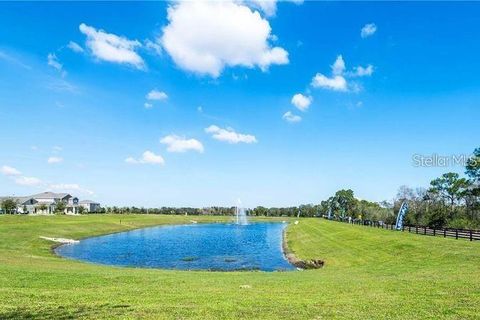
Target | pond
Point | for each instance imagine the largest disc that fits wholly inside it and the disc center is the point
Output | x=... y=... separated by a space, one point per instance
x=216 y=246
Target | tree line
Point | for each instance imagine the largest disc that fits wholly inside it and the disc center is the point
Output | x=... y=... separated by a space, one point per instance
x=449 y=201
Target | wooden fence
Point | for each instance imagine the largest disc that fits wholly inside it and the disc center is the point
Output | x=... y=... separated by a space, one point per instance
x=429 y=231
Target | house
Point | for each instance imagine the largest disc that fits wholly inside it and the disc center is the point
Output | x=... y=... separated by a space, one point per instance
x=47 y=203
x=90 y=206
x=24 y=204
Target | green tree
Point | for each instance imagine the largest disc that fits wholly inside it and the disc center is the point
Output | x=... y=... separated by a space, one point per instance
x=450 y=188
x=60 y=207
x=473 y=166
x=344 y=203
x=81 y=210
x=42 y=207
x=9 y=206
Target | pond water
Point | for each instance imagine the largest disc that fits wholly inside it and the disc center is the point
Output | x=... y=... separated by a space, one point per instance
x=217 y=246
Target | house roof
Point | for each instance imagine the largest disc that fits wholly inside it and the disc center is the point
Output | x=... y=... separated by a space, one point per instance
x=18 y=200
x=50 y=195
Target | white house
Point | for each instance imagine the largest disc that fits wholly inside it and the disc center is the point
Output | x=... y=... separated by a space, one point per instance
x=89 y=205
x=47 y=202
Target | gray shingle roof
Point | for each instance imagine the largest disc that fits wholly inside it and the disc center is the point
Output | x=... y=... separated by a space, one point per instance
x=18 y=200
x=50 y=195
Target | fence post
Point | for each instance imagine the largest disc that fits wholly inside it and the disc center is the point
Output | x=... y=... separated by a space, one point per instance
x=416 y=229
x=409 y=229
x=444 y=233
x=456 y=233
x=403 y=228
x=471 y=235
x=424 y=230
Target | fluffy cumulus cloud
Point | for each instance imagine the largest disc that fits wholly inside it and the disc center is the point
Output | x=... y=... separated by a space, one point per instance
x=362 y=71
x=268 y=7
x=301 y=102
x=75 y=47
x=338 y=80
x=336 y=83
x=112 y=48
x=338 y=67
x=180 y=144
x=53 y=160
x=9 y=171
x=290 y=117
x=229 y=135
x=148 y=157
x=204 y=37
x=368 y=30
x=156 y=95
x=18 y=177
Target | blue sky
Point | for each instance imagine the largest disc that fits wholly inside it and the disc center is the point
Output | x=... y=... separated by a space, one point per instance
x=272 y=103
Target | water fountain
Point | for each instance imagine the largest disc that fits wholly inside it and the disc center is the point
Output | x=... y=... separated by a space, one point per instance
x=240 y=214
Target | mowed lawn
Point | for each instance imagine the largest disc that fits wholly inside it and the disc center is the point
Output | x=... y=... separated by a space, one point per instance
x=369 y=274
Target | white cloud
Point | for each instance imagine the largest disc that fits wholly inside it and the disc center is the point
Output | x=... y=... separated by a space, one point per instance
x=27 y=181
x=362 y=71
x=268 y=7
x=290 y=117
x=178 y=144
x=69 y=187
x=156 y=95
x=148 y=157
x=153 y=47
x=204 y=37
x=148 y=105
x=53 y=61
x=9 y=171
x=301 y=102
x=338 y=67
x=22 y=180
x=336 y=83
x=53 y=160
x=112 y=48
x=368 y=30
x=229 y=135
x=18 y=178
x=75 y=47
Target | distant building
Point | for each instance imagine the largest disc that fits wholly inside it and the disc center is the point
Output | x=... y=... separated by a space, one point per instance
x=47 y=202
x=90 y=206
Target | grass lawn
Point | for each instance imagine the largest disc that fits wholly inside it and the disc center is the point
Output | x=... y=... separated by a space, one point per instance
x=369 y=274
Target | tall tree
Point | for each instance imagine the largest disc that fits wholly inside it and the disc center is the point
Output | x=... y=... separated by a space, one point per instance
x=60 y=207
x=473 y=166
x=9 y=206
x=449 y=187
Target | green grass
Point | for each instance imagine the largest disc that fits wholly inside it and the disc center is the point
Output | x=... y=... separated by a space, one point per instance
x=369 y=274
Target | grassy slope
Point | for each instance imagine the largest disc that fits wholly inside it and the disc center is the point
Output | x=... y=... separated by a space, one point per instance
x=369 y=273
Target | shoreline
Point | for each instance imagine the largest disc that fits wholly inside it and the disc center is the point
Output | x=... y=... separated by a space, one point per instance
x=294 y=260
